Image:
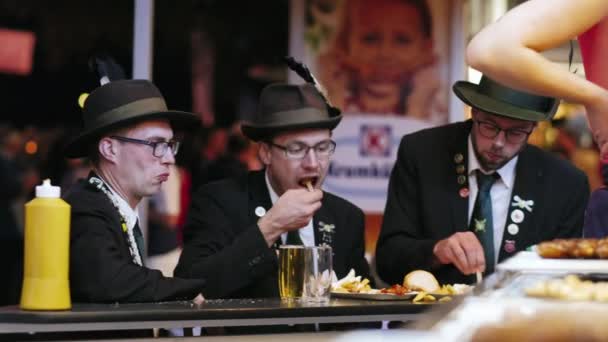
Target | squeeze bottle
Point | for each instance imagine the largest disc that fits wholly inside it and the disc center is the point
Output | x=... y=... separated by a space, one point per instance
x=47 y=251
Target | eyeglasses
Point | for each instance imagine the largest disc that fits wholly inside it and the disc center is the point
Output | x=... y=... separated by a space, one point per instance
x=298 y=150
x=491 y=131
x=159 y=148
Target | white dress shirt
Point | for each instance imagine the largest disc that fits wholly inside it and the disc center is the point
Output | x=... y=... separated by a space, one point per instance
x=501 y=194
x=307 y=234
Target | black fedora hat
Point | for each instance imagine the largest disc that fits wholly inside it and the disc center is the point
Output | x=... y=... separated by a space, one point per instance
x=286 y=107
x=495 y=98
x=120 y=103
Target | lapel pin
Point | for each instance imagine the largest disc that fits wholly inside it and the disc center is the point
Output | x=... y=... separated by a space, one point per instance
x=461 y=179
x=260 y=211
x=464 y=192
x=513 y=229
x=480 y=225
x=458 y=158
x=510 y=246
x=517 y=216
x=460 y=169
x=521 y=203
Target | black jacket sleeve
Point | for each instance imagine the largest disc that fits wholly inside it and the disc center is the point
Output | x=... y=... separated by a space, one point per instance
x=402 y=244
x=219 y=246
x=101 y=269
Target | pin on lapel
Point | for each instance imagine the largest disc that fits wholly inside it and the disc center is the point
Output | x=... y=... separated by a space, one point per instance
x=327 y=230
x=521 y=203
x=510 y=246
x=513 y=229
x=517 y=216
x=480 y=226
x=461 y=179
x=458 y=158
x=460 y=168
x=260 y=211
x=464 y=192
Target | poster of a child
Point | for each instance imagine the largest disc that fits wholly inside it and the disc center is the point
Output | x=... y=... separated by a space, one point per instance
x=378 y=57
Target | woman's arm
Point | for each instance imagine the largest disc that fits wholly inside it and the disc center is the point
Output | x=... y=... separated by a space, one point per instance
x=508 y=51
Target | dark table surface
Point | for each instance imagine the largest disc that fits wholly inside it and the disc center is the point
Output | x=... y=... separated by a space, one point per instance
x=226 y=311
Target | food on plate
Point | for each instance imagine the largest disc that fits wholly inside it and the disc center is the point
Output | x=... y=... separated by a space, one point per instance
x=422 y=283
x=548 y=325
x=570 y=288
x=420 y=280
x=455 y=289
x=602 y=249
x=584 y=248
x=352 y=284
x=422 y=297
x=553 y=249
x=428 y=287
x=574 y=248
x=446 y=291
x=396 y=290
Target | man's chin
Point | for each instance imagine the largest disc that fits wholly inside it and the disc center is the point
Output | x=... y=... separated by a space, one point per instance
x=152 y=190
x=492 y=166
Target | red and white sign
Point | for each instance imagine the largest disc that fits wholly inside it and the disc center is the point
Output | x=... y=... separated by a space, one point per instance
x=16 y=51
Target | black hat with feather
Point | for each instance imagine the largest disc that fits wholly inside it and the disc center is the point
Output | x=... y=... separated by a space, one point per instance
x=286 y=107
x=119 y=103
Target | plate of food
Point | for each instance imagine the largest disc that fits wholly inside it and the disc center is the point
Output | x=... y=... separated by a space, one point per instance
x=353 y=287
x=568 y=255
x=427 y=287
x=418 y=286
x=374 y=295
x=572 y=287
x=574 y=249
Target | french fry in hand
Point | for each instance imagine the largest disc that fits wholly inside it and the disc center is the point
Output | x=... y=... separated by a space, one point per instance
x=309 y=185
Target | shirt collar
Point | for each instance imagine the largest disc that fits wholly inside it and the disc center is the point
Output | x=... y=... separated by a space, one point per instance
x=506 y=172
x=273 y=195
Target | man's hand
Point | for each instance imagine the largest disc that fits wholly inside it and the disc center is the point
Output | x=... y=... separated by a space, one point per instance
x=293 y=210
x=463 y=250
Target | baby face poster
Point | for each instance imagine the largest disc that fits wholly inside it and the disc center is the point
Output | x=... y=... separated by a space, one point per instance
x=380 y=57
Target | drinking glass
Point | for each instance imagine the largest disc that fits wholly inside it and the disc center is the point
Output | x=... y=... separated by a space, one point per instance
x=317 y=274
x=291 y=271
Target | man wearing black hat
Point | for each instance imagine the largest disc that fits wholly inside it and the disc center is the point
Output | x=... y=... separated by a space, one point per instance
x=234 y=226
x=467 y=195
x=128 y=135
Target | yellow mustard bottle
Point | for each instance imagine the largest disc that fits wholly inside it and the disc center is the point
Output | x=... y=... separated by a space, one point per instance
x=47 y=251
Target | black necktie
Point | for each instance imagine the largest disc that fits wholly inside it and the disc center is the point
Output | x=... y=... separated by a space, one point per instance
x=139 y=240
x=293 y=238
x=481 y=220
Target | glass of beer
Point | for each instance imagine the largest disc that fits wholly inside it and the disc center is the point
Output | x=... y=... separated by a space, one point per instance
x=291 y=271
x=317 y=274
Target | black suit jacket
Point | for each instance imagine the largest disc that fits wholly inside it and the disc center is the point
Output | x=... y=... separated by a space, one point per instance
x=101 y=267
x=425 y=202
x=223 y=242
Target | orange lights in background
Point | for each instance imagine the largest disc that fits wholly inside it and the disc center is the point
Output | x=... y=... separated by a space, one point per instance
x=31 y=147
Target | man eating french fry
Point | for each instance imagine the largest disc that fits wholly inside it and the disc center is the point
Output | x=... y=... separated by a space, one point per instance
x=234 y=226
